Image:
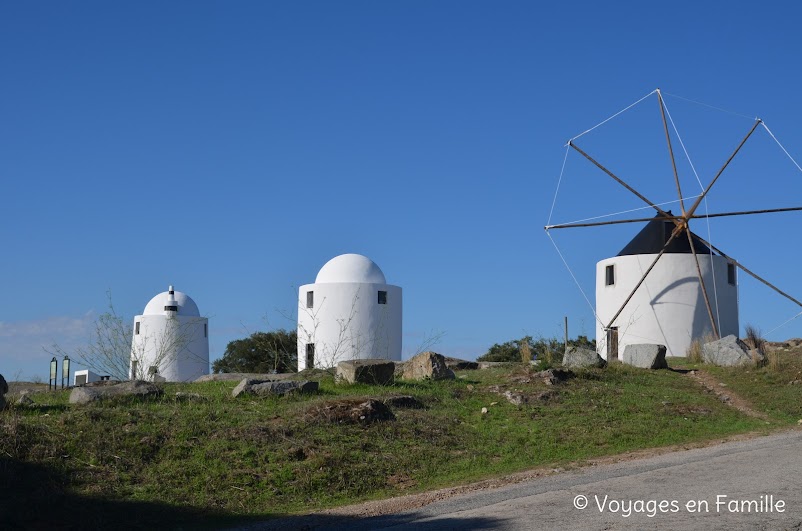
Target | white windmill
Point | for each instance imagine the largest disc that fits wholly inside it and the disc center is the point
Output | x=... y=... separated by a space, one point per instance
x=668 y=285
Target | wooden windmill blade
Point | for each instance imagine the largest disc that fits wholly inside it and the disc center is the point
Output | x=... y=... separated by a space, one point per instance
x=684 y=223
x=673 y=218
x=750 y=272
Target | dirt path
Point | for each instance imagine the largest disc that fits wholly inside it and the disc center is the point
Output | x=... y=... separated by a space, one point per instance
x=725 y=394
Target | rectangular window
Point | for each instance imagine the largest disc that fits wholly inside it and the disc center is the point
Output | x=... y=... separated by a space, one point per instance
x=136 y=328
x=80 y=379
x=134 y=364
x=205 y=329
x=310 y=299
x=609 y=275
x=382 y=297
x=731 y=274
x=310 y=355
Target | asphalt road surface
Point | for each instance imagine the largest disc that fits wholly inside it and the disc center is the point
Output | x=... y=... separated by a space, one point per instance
x=751 y=484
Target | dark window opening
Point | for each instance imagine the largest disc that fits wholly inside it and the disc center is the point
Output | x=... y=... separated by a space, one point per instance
x=171 y=308
x=609 y=275
x=136 y=328
x=310 y=299
x=205 y=329
x=80 y=380
x=731 y=274
x=153 y=369
x=310 y=355
x=382 y=297
x=134 y=364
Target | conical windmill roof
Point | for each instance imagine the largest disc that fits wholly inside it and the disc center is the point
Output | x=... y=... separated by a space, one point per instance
x=653 y=237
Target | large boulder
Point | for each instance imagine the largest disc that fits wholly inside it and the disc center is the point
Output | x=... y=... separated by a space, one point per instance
x=134 y=388
x=255 y=387
x=729 y=351
x=427 y=366
x=371 y=372
x=645 y=356
x=578 y=358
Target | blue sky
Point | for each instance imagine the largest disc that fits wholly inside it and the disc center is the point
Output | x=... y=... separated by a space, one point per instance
x=232 y=148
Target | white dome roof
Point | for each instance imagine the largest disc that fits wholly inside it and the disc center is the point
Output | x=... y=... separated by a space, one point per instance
x=186 y=306
x=350 y=268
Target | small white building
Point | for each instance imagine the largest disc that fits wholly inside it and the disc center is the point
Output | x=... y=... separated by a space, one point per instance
x=84 y=377
x=669 y=307
x=350 y=312
x=170 y=340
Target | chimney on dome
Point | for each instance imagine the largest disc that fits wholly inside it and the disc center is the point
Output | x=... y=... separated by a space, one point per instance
x=171 y=308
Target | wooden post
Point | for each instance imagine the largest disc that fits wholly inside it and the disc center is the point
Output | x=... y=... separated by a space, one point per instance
x=612 y=343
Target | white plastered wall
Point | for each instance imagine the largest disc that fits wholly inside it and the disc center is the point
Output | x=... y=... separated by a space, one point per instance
x=346 y=322
x=177 y=345
x=669 y=307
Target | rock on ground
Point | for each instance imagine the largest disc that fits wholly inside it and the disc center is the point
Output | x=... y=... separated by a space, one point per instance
x=237 y=376
x=256 y=387
x=493 y=364
x=729 y=352
x=24 y=400
x=578 y=358
x=350 y=411
x=404 y=402
x=427 y=366
x=645 y=356
x=456 y=364
x=554 y=376
x=134 y=388
x=371 y=372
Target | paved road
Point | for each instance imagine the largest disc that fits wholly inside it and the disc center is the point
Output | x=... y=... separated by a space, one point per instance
x=754 y=484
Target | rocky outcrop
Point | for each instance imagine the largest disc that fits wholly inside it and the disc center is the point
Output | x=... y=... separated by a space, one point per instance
x=645 y=356
x=427 y=366
x=256 y=387
x=371 y=372
x=579 y=358
x=132 y=389
x=729 y=352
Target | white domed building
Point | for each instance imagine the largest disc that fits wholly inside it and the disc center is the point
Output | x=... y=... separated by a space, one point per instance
x=170 y=340
x=668 y=308
x=350 y=312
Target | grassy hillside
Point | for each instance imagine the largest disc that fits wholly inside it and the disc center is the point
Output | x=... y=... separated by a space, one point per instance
x=215 y=459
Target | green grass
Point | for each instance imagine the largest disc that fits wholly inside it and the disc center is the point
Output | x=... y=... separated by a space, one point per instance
x=769 y=388
x=169 y=462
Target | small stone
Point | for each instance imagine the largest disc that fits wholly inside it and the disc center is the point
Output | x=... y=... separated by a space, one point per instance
x=484 y=410
x=469 y=387
x=493 y=403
